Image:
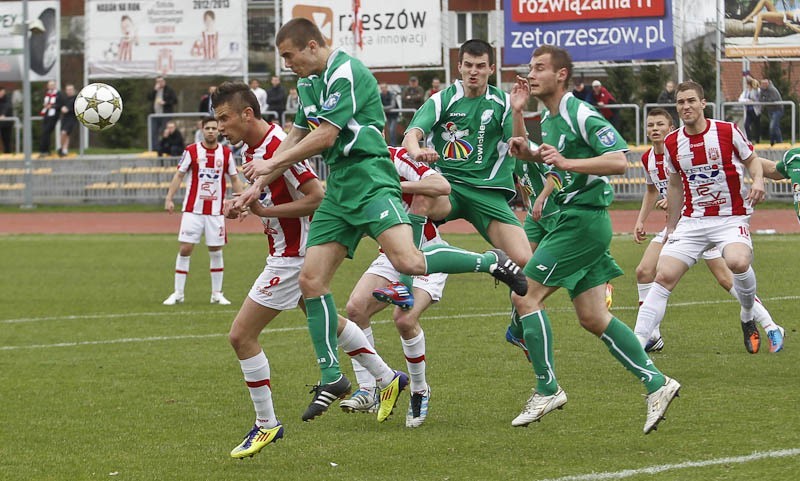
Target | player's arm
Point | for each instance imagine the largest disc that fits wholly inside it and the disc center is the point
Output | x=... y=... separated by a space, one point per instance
x=423 y=121
x=770 y=169
x=312 y=196
x=432 y=186
x=610 y=163
x=757 y=192
x=236 y=183
x=174 y=185
x=674 y=202
x=538 y=204
x=648 y=204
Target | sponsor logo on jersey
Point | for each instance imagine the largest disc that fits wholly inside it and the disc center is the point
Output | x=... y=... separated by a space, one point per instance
x=703 y=173
x=562 y=143
x=331 y=102
x=486 y=116
x=607 y=136
x=456 y=148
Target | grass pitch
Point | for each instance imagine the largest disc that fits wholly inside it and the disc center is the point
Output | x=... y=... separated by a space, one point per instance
x=100 y=381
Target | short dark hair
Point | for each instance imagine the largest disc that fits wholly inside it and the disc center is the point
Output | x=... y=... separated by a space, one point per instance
x=691 y=85
x=206 y=120
x=476 y=48
x=299 y=31
x=559 y=58
x=661 y=112
x=237 y=95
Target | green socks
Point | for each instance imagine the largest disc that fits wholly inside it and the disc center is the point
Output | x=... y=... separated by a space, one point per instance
x=452 y=260
x=323 y=322
x=539 y=340
x=625 y=347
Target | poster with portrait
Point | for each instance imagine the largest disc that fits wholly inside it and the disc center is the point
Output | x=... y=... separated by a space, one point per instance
x=762 y=28
x=146 y=38
x=45 y=45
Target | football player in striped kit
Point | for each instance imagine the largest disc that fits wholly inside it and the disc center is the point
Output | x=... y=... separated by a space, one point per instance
x=207 y=163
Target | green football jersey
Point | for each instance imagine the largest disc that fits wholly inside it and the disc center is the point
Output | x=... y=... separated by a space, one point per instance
x=470 y=135
x=578 y=131
x=346 y=95
x=532 y=177
x=789 y=167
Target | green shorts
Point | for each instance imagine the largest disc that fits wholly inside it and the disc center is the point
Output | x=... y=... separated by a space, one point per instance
x=575 y=254
x=536 y=230
x=479 y=207
x=361 y=198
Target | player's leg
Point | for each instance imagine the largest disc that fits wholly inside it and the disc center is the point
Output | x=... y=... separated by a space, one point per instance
x=738 y=257
x=645 y=275
x=191 y=230
x=360 y=308
x=510 y=238
x=216 y=238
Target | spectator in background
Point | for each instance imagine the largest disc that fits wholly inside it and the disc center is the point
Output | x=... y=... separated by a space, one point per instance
x=68 y=119
x=602 y=97
x=389 y=101
x=6 y=111
x=436 y=85
x=163 y=100
x=667 y=96
x=769 y=93
x=261 y=94
x=292 y=101
x=276 y=98
x=51 y=111
x=171 y=143
x=581 y=92
x=413 y=95
x=752 y=113
x=205 y=101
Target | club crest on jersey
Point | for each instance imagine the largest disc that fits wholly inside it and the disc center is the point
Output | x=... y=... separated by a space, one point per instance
x=456 y=148
x=606 y=136
x=331 y=102
x=713 y=153
x=486 y=116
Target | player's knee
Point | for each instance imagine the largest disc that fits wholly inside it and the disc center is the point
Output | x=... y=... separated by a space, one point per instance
x=311 y=286
x=645 y=274
x=407 y=322
x=356 y=312
x=738 y=264
x=413 y=265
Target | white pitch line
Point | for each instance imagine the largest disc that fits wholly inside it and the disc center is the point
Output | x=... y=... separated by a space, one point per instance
x=782 y=453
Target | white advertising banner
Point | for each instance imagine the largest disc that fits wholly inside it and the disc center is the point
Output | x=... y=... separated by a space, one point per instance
x=393 y=34
x=45 y=46
x=146 y=38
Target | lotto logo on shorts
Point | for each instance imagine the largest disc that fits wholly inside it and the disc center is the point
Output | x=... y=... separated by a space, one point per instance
x=542 y=267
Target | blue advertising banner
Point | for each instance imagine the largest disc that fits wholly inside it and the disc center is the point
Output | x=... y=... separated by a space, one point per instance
x=593 y=39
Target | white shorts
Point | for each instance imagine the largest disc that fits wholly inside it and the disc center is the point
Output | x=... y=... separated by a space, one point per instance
x=433 y=284
x=709 y=254
x=195 y=225
x=278 y=286
x=694 y=235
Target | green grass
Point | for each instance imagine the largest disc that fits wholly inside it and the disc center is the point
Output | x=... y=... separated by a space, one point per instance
x=99 y=378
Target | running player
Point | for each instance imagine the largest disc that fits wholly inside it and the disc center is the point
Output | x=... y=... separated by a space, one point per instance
x=341 y=116
x=787 y=168
x=209 y=162
x=659 y=124
x=575 y=254
x=420 y=185
x=708 y=205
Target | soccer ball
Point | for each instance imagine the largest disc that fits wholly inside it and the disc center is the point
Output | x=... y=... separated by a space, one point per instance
x=98 y=106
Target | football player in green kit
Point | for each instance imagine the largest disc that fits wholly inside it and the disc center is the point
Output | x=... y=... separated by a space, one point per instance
x=575 y=254
x=341 y=117
x=787 y=168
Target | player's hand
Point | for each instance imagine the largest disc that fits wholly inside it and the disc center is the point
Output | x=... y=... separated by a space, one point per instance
x=639 y=233
x=426 y=154
x=662 y=203
x=538 y=206
x=255 y=168
x=756 y=193
x=169 y=206
x=520 y=93
x=229 y=209
x=519 y=148
x=551 y=156
x=250 y=194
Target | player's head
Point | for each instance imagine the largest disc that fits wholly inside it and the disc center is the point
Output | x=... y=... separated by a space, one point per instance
x=475 y=64
x=126 y=24
x=690 y=101
x=659 y=124
x=236 y=109
x=210 y=128
x=208 y=19
x=550 y=71
x=302 y=47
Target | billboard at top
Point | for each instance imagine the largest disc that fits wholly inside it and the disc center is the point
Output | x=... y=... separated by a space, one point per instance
x=146 y=38
x=762 y=29
x=45 y=47
x=591 y=30
x=406 y=33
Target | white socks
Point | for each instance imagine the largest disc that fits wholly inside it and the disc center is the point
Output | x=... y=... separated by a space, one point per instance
x=651 y=313
x=365 y=380
x=355 y=344
x=181 y=271
x=745 y=285
x=217 y=267
x=414 y=350
x=256 y=376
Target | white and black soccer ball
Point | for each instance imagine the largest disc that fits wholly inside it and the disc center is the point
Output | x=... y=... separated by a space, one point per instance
x=98 y=106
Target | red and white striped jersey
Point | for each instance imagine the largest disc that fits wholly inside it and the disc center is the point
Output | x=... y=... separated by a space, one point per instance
x=210 y=41
x=654 y=171
x=286 y=236
x=125 y=52
x=205 y=186
x=711 y=169
x=412 y=171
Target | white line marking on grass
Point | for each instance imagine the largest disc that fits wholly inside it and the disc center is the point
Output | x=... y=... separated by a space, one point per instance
x=783 y=453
